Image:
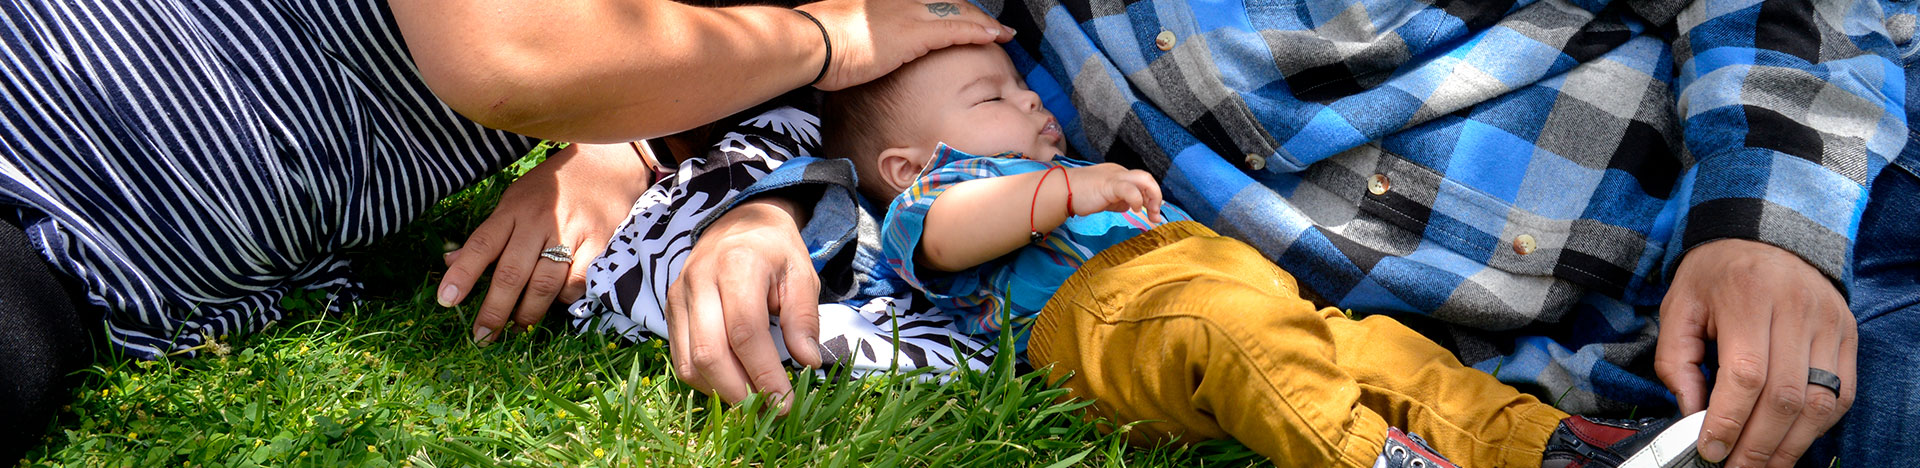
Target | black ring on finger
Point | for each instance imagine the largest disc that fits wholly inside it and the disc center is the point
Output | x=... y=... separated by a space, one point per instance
x=1822 y=378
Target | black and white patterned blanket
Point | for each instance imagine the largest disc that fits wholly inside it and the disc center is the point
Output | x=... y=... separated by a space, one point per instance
x=627 y=284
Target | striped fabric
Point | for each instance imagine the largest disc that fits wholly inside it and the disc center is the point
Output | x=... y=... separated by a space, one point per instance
x=191 y=161
x=1524 y=173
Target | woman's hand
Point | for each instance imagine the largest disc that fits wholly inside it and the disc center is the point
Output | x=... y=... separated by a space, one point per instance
x=749 y=265
x=576 y=198
x=873 y=37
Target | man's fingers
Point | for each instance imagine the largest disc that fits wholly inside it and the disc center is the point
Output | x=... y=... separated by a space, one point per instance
x=1737 y=387
x=465 y=264
x=1784 y=395
x=744 y=301
x=678 y=342
x=1822 y=408
x=1679 y=350
x=709 y=349
x=799 y=300
x=510 y=273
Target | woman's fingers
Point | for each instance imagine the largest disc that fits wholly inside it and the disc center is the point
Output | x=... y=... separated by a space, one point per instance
x=467 y=263
x=510 y=274
x=873 y=37
x=576 y=284
x=543 y=286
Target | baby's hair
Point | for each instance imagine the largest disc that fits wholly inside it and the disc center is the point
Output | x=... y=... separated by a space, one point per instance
x=860 y=122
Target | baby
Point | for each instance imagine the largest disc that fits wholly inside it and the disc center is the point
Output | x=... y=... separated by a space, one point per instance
x=1160 y=319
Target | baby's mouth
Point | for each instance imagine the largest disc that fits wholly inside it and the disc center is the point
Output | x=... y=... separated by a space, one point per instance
x=1052 y=129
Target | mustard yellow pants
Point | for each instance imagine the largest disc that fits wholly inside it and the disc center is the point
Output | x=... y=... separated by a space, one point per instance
x=1205 y=338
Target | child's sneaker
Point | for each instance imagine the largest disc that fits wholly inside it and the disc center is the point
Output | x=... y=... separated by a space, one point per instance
x=1405 y=450
x=1582 y=442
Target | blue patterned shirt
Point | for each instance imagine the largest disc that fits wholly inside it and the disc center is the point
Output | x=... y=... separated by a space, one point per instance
x=1517 y=179
x=1013 y=287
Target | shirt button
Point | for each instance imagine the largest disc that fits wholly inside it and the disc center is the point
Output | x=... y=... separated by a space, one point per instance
x=1378 y=184
x=1255 y=162
x=1164 y=41
x=1524 y=244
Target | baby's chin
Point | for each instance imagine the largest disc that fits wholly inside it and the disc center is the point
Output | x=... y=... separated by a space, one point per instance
x=1048 y=152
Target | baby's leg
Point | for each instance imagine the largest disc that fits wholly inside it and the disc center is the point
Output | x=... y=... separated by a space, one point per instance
x=1415 y=384
x=1207 y=338
x=1204 y=355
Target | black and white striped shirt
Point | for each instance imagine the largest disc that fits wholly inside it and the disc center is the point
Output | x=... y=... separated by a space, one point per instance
x=190 y=161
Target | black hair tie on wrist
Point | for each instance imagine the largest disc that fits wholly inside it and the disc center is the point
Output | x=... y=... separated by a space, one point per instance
x=823 y=38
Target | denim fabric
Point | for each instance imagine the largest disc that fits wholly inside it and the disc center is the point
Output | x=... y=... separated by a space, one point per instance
x=1880 y=428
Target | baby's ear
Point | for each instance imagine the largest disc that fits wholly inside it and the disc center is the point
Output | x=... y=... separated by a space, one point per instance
x=900 y=167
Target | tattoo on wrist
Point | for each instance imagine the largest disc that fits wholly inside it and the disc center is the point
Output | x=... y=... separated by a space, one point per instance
x=943 y=9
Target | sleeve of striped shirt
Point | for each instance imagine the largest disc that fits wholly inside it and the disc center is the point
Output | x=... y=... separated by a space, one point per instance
x=1789 y=109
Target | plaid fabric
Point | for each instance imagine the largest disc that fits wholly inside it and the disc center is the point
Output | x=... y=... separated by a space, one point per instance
x=1523 y=173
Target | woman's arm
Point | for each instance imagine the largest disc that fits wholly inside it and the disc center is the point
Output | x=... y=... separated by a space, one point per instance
x=979 y=220
x=620 y=70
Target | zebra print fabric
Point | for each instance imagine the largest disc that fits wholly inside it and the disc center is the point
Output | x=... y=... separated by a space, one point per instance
x=627 y=285
x=191 y=161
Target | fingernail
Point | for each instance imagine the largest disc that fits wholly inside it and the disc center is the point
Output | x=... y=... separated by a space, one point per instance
x=481 y=335
x=1715 y=451
x=446 y=295
x=993 y=30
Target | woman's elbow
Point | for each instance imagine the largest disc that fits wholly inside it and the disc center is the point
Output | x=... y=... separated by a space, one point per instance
x=495 y=88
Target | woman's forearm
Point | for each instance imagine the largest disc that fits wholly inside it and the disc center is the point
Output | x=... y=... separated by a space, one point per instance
x=605 y=70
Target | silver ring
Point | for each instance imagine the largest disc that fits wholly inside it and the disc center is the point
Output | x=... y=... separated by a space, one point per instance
x=559 y=253
x=1822 y=378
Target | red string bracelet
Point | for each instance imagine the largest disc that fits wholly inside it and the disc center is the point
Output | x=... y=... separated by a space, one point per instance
x=1033 y=230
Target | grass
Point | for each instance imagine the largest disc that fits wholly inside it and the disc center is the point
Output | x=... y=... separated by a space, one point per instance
x=393 y=382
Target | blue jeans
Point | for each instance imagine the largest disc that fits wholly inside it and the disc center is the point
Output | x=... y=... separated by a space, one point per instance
x=1880 y=429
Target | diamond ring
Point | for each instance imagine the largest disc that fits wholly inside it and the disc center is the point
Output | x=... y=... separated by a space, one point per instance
x=559 y=253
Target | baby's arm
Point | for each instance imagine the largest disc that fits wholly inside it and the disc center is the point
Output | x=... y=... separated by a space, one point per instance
x=982 y=219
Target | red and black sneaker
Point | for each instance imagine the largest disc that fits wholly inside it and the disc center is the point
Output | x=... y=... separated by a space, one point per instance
x=1405 y=450
x=1582 y=442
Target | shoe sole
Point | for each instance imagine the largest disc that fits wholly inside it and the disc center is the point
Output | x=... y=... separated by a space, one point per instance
x=1673 y=448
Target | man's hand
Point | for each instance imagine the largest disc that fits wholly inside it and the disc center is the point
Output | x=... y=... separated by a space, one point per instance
x=536 y=212
x=751 y=263
x=1772 y=316
x=873 y=37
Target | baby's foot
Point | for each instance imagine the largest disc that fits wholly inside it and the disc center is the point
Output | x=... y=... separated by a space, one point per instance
x=1582 y=442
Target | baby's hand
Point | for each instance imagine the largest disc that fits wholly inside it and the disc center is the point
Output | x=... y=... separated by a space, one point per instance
x=1109 y=187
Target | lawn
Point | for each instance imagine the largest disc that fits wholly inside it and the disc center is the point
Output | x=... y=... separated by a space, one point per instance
x=392 y=381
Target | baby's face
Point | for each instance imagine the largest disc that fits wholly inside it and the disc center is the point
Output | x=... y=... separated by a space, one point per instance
x=970 y=98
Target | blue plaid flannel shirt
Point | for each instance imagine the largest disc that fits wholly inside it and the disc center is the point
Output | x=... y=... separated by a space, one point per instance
x=1514 y=178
